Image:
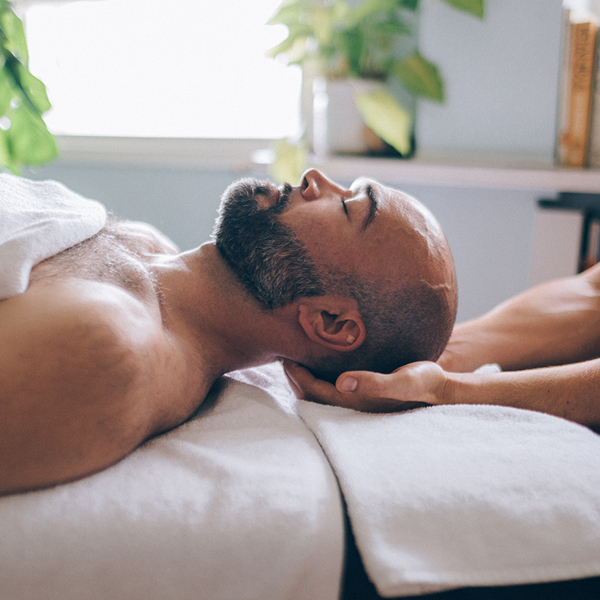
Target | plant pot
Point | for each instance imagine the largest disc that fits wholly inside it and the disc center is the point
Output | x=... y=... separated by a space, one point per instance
x=338 y=127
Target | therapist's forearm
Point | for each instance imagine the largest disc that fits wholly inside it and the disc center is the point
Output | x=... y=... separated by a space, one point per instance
x=552 y=324
x=569 y=391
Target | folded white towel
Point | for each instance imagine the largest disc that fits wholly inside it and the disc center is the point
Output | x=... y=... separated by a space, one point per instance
x=453 y=496
x=39 y=219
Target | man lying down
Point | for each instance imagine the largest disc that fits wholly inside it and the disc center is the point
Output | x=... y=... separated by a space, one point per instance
x=120 y=337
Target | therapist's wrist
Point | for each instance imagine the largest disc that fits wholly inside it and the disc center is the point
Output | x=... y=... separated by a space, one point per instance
x=473 y=388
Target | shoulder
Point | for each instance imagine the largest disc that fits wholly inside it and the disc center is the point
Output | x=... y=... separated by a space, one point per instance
x=78 y=365
x=100 y=344
x=81 y=329
x=143 y=237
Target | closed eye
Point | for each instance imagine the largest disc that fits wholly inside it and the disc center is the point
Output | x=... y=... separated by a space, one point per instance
x=344 y=205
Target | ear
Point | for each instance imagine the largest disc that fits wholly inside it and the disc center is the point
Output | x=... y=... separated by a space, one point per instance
x=333 y=322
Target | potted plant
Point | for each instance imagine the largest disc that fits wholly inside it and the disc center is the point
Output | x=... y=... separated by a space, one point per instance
x=24 y=137
x=350 y=43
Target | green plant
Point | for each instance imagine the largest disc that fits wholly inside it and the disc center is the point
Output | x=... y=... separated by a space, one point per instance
x=24 y=137
x=341 y=39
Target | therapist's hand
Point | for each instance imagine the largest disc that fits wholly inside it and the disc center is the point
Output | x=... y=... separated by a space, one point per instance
x=414 y=385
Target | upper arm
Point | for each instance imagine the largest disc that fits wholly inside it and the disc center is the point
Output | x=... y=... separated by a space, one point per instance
x=69 y=365
x=555 y=323
x=55 y=339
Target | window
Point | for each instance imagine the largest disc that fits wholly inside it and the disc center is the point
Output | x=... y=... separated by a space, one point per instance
x=156 y=68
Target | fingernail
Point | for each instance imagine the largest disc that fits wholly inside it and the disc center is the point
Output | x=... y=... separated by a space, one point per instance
x=348 y=384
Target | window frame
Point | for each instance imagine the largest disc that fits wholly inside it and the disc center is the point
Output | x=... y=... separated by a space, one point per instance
x=229 y=154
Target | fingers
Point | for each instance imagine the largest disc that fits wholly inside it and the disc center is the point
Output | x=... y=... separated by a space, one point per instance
x=307 y=387
x=420 y=382
x=375 y=392
x=359 y=390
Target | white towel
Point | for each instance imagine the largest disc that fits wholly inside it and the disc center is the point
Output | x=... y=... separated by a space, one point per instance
x=39 y=219
x=453 y=496
x=238 y=503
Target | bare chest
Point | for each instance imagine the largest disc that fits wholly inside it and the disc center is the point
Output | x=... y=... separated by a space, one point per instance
x=169 y=360
x=107 y=257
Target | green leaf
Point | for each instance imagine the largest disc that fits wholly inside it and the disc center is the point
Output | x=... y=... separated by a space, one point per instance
x=353 y=43
x=7 y=90
x=296 y=33
x=368 y=9
x=35 y=89
x=322 y=19
x=421 y=77
x=390 y=28
x=382 y=113
x=290 y=162
x=5 y=157
x=474 y=7
x=409 y=4
x=288 y=13
x=30 y=142
x=12 y=28
x=24 y=137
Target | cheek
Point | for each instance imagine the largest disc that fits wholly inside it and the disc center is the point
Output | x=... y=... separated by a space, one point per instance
x=333 y=251
x=325 y=243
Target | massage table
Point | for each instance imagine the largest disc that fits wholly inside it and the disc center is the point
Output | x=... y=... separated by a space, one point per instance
x=262 y=496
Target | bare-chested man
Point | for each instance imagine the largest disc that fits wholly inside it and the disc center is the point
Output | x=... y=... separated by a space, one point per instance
x=121 y=337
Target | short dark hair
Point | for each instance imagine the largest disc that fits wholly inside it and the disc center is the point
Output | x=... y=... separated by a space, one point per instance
x=405 y=323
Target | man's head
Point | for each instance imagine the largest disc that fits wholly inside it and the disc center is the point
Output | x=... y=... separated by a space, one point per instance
x=368 y=267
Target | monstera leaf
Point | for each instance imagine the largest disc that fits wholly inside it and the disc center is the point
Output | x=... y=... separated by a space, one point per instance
x=475 y=7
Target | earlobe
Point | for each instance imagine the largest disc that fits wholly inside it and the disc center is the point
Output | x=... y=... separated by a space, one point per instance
x=342 y=330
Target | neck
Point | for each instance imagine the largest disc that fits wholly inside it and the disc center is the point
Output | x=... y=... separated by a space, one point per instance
x=225 y=327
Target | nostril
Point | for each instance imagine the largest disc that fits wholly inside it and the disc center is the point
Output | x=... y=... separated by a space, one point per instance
x=304 y=184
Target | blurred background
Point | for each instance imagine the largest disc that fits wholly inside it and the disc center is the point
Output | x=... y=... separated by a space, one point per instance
x=158 y=106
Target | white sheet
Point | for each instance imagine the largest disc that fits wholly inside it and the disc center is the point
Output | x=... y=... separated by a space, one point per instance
x=454 y=496
x=238 y=503
x=39 y=219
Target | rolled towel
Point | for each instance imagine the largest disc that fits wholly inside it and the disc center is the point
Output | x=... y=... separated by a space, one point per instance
x=39 y=219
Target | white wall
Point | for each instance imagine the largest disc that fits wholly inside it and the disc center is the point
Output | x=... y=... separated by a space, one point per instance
x=501 y=79
x=182 y=203
x=490 y=233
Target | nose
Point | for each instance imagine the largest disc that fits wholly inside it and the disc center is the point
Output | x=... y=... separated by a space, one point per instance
x=315 y=184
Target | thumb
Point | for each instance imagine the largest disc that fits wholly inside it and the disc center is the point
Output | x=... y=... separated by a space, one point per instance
x=366 y=383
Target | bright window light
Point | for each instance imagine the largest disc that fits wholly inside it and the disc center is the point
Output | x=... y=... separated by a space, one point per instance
x=157 y=68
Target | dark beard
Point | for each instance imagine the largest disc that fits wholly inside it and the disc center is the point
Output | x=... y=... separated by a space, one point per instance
x=265 y=255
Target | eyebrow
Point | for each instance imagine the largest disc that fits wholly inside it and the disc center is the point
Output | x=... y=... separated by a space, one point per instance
x=372 y=208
